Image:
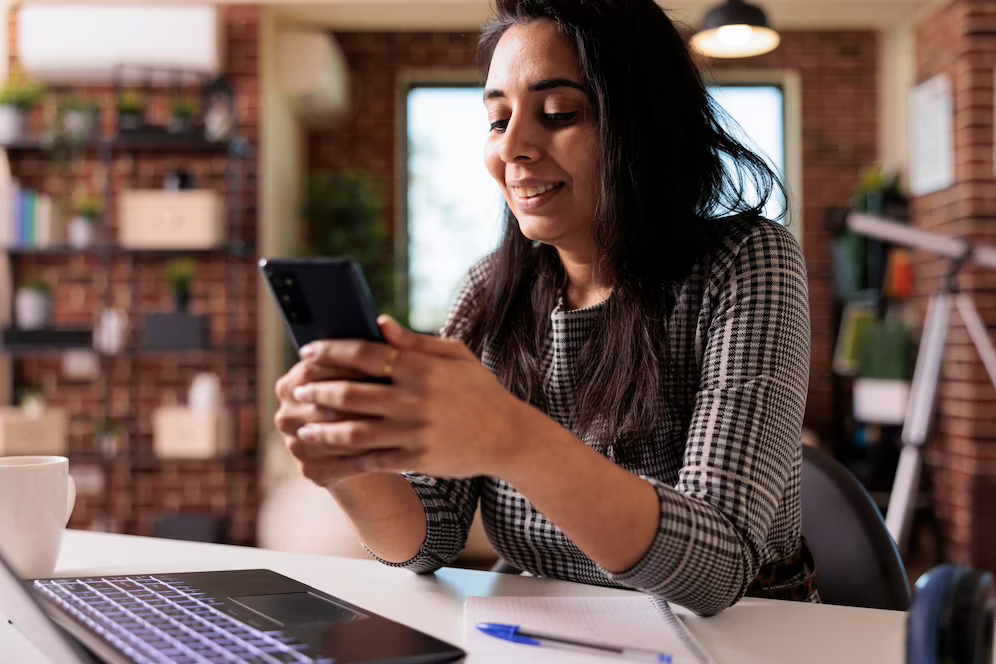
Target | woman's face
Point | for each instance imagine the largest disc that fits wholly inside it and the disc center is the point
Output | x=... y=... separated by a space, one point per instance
x=542 y=147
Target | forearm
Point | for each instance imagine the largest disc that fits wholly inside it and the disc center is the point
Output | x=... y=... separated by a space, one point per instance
x=386 y=513
x=609 y=513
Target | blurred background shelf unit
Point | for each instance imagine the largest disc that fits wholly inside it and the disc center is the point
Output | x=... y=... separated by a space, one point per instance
x=153 y=186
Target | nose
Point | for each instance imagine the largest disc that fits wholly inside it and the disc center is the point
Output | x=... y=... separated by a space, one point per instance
x=520 y=142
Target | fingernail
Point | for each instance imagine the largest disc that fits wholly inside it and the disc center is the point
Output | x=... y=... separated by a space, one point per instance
x=307 y=433
x=309 y=351
x=303 y=393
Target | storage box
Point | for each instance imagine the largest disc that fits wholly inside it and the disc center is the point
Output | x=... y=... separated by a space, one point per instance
x=880 y=401
x=159 y=219
x=176 y=331
x=185 y=433
x=23 y=433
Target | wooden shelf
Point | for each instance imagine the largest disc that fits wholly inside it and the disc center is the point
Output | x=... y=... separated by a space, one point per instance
x=103 y=250
x=48 y=340
x=164 y=143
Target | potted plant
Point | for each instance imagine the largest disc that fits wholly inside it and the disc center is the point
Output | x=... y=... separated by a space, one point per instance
x=31 y=399
x=82 y=229
x=131 y=110
x=108 y=438
x=33 y=305
x=344 y=212
x=180 y=274
x=80 y=119
x=186 y=109
x=18 y=96
x=886 y=352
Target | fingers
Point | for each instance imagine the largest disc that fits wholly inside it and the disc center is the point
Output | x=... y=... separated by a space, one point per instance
x=350 y=437
x=307 y=371
x=403 y=338
x=369 y=399
x=365 y=357
x=292 y=416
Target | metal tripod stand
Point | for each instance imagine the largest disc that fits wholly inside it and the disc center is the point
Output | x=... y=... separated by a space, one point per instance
x=923 y=392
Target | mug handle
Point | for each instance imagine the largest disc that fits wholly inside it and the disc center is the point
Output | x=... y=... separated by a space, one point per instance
x=70 y=498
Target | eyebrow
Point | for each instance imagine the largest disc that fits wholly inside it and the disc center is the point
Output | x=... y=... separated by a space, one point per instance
x=539 y=86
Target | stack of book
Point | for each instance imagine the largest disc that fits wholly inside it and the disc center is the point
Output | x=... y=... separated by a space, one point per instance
x=27 y=219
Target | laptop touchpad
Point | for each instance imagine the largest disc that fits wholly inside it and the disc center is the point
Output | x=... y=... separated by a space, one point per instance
x=298 y=608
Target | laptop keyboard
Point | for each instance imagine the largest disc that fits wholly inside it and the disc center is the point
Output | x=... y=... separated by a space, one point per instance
x=164 y=621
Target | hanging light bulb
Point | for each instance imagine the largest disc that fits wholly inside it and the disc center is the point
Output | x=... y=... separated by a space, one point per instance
x=736 y=29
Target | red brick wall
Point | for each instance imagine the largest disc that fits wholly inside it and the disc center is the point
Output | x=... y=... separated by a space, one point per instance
x=138 y=384
x=960 y=40
x=839 y=125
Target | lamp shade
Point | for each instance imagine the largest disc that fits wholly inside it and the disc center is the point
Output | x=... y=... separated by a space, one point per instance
x=736 y=29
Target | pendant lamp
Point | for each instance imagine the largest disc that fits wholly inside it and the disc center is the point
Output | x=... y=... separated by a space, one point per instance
x=736 y=29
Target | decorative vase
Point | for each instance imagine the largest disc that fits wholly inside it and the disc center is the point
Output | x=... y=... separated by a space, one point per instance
x=180 y=125
x=80 y=125
x=129 y=121
x=13 y=125
x=32 y=309
x=82 y=232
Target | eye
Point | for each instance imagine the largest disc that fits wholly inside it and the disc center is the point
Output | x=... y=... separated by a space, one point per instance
x=499 y=125
x=560 y=118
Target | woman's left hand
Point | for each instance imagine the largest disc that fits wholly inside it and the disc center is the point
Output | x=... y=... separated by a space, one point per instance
x=444 y=414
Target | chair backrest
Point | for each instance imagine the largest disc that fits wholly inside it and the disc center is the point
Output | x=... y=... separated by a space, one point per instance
x=858 y=562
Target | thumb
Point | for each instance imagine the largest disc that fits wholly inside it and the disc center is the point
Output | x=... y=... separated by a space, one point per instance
x=404 y=339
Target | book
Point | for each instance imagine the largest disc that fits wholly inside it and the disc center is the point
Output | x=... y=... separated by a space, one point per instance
x=639 y=621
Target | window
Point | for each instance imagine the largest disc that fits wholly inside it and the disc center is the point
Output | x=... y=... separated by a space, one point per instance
x=454 y=207
x=759 y=110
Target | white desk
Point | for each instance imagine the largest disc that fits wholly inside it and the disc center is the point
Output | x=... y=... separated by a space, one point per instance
x=752 y=632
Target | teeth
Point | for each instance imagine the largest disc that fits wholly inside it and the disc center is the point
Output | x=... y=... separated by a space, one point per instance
x=530 y=192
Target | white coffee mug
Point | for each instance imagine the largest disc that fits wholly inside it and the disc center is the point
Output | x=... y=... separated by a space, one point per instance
x=37 y=496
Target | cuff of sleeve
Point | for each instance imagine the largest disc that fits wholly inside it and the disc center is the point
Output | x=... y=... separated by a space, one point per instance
x=671 y=548
x=428 y=558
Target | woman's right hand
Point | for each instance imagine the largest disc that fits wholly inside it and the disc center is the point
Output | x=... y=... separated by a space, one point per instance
x=292 y=415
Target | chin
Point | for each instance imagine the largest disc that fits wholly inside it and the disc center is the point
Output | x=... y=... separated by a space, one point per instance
x=540 y=229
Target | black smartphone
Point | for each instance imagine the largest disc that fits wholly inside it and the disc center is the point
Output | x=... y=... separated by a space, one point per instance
x=322 y=298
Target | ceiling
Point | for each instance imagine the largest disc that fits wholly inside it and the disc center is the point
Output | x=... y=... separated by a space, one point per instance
x=470 y=14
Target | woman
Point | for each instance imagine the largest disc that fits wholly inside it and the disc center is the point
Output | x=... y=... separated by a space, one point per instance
x=622 y=384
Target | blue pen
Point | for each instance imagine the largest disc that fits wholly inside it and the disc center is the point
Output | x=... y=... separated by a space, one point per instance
x=516 y=635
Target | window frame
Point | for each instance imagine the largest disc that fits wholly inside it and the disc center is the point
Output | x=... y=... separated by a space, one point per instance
x=407 y=80
x=790 y=83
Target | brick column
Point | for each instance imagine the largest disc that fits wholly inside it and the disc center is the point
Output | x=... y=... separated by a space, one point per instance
x=959 y=40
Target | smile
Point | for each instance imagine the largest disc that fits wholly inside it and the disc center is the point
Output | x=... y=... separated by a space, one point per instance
x=527 y=193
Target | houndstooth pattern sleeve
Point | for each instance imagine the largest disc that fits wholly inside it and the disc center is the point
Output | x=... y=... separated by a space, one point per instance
x=449 y=504
x=744 y=435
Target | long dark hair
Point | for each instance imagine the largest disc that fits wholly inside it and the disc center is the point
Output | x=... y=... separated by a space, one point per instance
x=670 y=175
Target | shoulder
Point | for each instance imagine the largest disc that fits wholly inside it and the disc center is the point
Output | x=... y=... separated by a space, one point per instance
x=746 y=244
x=468 y=297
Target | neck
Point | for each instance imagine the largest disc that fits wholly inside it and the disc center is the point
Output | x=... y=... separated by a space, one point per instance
x=583 y=288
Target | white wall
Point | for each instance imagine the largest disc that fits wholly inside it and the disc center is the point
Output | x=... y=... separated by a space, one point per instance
x=282 y=167
x=896 y=71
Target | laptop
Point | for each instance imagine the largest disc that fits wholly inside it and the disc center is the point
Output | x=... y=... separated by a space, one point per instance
x=255 y=616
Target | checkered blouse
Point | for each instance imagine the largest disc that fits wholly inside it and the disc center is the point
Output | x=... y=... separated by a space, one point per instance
x=725 y=458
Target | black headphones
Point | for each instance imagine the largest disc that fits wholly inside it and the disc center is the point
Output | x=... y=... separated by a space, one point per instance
x=951 y=619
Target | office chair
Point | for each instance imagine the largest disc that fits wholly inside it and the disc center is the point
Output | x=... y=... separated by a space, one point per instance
x=858 y=563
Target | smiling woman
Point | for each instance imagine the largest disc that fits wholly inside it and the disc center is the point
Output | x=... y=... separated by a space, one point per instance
x=621 y=384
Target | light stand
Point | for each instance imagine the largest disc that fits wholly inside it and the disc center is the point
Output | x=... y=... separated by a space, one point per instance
x=926 y=375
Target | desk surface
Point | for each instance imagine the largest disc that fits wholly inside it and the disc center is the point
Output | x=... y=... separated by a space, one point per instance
x=752 y=632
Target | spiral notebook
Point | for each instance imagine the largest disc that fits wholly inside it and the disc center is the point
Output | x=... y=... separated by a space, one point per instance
x=639 y=621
